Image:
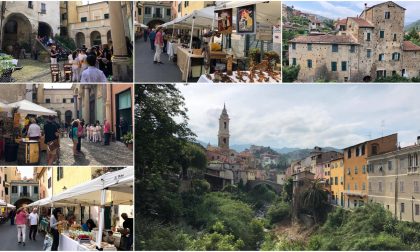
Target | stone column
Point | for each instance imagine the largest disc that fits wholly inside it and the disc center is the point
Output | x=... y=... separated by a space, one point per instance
x=86 y=110
x=121 y=68
x=75 y=108
x=108 y=102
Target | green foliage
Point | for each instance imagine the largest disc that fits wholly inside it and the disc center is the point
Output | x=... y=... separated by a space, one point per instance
x=290 y=73
x=218 y=239
x=279 y=211
x=370 y=227
x=275 y=243
x=236 y=216
x=66 y=42
x=152 y=235
x=287 y=192
x=393 y=78
x=128 y=138
x=329 y=23
x=315 y=199
x=261 y=195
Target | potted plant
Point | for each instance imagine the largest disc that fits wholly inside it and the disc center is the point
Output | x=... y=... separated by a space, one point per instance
x=11 y=147
x=128 y=140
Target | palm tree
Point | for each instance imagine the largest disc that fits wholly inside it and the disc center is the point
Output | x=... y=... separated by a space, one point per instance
x=315 y=198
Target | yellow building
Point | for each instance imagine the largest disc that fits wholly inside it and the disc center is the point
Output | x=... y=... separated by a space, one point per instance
x=337 y=181
x=9 y=173
x=189 y=6
x=68 y=15
x=64 y=178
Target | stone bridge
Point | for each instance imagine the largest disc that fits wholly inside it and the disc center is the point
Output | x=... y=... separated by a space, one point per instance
x=276 y=187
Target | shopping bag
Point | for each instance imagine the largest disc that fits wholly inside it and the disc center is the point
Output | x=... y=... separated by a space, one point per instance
x=47 y=242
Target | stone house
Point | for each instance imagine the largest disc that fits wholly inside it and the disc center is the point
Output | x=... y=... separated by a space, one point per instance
x=394 y=179
x=365 y=48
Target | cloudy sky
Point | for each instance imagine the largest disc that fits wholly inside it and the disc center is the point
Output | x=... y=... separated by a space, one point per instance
x=342 y=9
x=26 y=171
x=304 y=116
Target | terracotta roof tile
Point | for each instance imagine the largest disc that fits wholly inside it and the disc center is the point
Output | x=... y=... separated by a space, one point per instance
x=325 y=39
x=410 y=46
x=362 y=22
x=341 y=21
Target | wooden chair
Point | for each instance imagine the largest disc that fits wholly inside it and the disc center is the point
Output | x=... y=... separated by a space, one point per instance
x=68 y=72
x=55 y=73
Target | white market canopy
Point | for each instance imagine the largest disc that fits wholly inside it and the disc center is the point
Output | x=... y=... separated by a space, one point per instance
x=203 y=18
x=268 y=12
x=10 y=206
x=118 y=186
x=4 y=107
x=27 y=107
x=3 y=203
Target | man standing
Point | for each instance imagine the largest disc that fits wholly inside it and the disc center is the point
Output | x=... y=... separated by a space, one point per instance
x=152 y=36
x=33 y=222
x=107 y=132
x=92 y=74
x=159 y=46
x=128 y=230
x=51 y=135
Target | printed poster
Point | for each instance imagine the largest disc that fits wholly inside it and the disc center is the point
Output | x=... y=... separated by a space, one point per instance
x=224 y=22
x=246 y=19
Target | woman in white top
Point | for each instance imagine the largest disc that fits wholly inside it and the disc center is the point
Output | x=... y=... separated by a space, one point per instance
x=34 y=131
x=75 y=65
x=83 y=63
x=98 y=132
x=95 y=136
x=91 y=132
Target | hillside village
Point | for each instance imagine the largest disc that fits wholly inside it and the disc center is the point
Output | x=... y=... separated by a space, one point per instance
x=373 y=46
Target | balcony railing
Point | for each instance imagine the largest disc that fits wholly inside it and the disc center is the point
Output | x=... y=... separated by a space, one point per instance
x=413 y=170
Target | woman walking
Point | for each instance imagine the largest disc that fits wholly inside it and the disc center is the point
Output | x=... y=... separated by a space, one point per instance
x=74 y=137
x=53 y=226
x=21 y=219
x=98 y=131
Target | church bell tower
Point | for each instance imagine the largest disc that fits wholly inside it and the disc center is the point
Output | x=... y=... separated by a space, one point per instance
x=223 y=135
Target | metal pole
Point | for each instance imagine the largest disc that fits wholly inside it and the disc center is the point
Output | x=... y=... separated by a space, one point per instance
x=412 y=208
x=189 y=58
x=101 y=220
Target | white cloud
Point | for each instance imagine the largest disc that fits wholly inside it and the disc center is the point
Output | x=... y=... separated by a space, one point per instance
x=304 y=115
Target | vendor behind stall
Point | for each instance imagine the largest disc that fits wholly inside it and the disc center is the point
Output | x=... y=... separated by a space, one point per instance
x=89 y=225
x=127 y=231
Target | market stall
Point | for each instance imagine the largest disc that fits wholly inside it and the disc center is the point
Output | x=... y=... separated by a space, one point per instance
x=110 y=189
x=26 y=151
x=243 y=40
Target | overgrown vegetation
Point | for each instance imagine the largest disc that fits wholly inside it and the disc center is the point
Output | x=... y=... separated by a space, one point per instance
x=290 y=73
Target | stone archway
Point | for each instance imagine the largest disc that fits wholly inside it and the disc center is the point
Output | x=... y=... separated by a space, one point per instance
x=22 y=202
x=80 y=39
x=17 y=29
x=95 y=38
x=154 y=23
x=367 y=79
x=45 y=29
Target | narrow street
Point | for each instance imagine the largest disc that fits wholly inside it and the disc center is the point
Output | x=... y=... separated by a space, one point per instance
x=8 y=239
x=94 y=154
x=146 y=71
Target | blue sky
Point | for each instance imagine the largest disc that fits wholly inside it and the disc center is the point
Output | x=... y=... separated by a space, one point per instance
x=342 y=9
x=304 y=116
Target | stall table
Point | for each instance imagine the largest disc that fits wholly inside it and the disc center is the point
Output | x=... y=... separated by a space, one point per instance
x=204 y=79
x=184 y=58
x=68 y=244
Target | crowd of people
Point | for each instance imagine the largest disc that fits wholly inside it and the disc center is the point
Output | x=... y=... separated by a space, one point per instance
x=94 y=132
x=24 y=220
x=91 y=65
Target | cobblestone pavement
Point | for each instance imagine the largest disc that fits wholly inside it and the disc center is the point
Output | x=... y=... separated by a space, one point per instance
x=94 y=154
x=8 y=239
x=146 y=71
